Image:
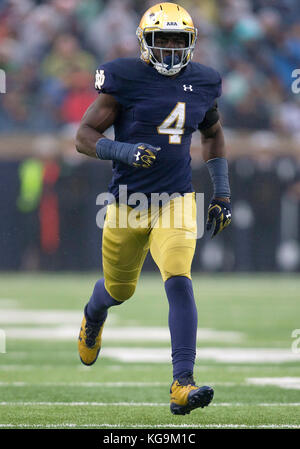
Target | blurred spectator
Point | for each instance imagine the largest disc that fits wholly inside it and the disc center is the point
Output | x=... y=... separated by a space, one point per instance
x=287 y=118
x=65 y=57
x=86 y=11
x=40 y=24
x=37 y=202
x=79 y=96
x=112 y=33
x=50 y=49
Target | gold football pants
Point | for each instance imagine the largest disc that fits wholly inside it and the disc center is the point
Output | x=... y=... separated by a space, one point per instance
x=169 y=231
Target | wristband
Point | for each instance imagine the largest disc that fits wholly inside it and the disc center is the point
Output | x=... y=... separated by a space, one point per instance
x=218 y=170
x=112 y=150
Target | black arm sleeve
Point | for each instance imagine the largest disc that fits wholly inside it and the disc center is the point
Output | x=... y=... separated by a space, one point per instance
x=211 y=117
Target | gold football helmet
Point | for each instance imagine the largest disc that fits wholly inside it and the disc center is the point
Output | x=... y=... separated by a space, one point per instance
x=166 y=18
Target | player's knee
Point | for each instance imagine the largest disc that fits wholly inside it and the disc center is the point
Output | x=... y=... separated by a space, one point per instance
x=120 y=291
x=101 y=294
x=175 y=265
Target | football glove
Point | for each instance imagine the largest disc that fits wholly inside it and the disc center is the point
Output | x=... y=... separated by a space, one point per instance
x=144 y=156
x=218 y=216
x=136 y=154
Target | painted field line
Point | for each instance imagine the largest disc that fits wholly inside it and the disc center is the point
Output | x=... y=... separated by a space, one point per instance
x=102 y=384
x=89 y=404
x=68 y=332
x=9 y=302
x=39 y=317
x=68 y=318
x=292 y=383
x=19 y=367
x=81 y=367
x=85 y=384
x=147 y=426
x=220 y=355
x=142 y=404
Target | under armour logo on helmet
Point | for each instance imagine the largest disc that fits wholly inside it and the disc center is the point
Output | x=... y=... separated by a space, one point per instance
x=190 y=87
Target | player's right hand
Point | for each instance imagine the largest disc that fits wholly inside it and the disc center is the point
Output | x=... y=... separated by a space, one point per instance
x=144 y=155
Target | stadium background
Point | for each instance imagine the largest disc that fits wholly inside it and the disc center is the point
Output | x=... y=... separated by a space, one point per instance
x=248 y=318
x=49 y=51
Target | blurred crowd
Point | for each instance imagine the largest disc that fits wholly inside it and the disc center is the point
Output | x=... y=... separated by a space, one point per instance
x=49 y=51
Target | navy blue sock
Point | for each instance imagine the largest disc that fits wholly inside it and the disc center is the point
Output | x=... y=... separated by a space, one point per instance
x=100 y=301
x=183 y=321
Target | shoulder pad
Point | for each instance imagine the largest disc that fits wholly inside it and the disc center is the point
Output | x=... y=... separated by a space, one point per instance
x=207 y=78
x=205 y=74
x=110 y=75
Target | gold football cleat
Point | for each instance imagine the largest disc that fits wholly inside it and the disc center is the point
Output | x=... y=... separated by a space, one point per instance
x=186 y=396
x=89 y=342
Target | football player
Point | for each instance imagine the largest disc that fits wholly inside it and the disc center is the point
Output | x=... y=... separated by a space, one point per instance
x=155 y=103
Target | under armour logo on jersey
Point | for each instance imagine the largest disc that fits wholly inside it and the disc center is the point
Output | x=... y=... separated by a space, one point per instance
x=137 y=156
x=190 y=87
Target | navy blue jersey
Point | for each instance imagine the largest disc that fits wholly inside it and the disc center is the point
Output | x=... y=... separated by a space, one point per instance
x=160 y=111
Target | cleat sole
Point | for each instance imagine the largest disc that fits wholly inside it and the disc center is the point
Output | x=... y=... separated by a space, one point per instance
x=201 y=398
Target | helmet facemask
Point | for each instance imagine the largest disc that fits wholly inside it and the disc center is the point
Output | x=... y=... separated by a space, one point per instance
x=176 y=59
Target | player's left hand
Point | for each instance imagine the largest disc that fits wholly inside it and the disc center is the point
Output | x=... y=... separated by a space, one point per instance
x=218 y=216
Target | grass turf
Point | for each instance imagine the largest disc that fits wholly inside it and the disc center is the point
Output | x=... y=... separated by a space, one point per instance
x=264 y=309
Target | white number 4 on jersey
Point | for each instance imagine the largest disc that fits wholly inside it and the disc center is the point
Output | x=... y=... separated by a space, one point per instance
x=176 y=117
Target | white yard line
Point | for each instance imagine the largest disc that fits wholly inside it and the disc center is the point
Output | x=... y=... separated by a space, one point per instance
x=81 y=404
x=292 y=383
x=85 y=384
x=282 y=382
x=8 y=303
x=141 y=404
x=221 y=355
x=157 y=426
x=102 y=384
x=68 y=318
x=21 y=367
x=68 y=332
x=39 y=317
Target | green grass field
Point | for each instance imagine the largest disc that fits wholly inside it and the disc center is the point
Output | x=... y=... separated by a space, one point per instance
x=244 y=351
